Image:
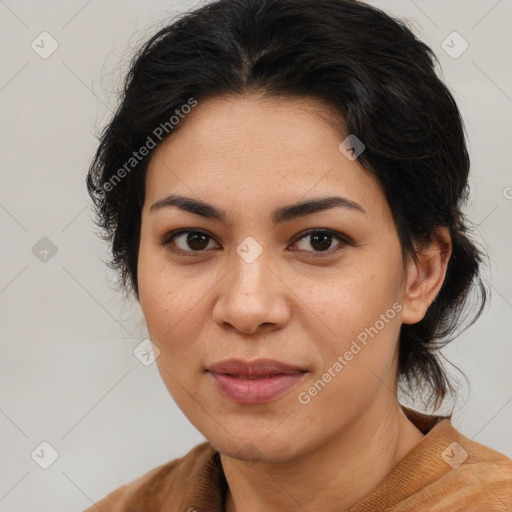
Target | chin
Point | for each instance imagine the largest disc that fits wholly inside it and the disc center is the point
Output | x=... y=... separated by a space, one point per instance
x=255 y=448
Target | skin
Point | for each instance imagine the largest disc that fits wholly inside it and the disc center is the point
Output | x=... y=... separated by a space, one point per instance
x=249 y=155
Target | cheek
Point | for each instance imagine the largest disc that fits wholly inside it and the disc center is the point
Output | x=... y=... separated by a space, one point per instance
x=169 y=304
x=168 y=308
x=350 y=300
x=361 y=309
x=356 y=360
x=173 y=301
x=161 y=294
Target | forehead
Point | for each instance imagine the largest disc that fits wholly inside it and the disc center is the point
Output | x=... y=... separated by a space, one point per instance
x=243 y=150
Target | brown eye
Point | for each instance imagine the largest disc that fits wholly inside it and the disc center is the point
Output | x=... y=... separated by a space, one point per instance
x=196 y=241
x=321 y=241
x=188 y=241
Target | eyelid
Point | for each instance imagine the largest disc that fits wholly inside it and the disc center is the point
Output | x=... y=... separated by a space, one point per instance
x=343 y=239
x=336 y=234
x=172 y=234
x=167 y=240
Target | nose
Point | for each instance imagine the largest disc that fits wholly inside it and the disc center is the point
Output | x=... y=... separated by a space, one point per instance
x=252 y=298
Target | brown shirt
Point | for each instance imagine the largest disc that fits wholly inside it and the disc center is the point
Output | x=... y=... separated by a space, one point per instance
x=444 y=472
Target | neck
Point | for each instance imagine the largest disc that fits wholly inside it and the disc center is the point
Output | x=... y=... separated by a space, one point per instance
x=334 y=476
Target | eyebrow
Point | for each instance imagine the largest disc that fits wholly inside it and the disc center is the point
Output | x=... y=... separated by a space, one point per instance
x=281 y=214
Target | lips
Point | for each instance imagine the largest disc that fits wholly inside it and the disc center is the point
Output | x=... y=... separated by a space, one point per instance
x=257 y=368
x=254 y=382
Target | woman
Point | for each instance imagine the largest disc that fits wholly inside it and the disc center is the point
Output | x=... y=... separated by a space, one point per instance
x=282 y=187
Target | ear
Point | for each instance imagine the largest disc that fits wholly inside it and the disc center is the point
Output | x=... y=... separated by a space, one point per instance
x=425 y=276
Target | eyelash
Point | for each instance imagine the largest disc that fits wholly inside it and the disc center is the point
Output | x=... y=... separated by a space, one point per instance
x=343 y=239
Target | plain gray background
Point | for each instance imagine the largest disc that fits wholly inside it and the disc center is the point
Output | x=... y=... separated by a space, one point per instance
x=68 y=373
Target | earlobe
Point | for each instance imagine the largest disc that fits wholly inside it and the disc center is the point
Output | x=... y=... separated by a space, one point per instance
x=425 y=276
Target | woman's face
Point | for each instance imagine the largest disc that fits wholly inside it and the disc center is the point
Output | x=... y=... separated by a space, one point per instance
x=255 y=285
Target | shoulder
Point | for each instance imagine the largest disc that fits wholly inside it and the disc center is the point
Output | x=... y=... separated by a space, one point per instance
x=445 y=472
x=478 y=475
x=149 y=491
x=463 y=475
